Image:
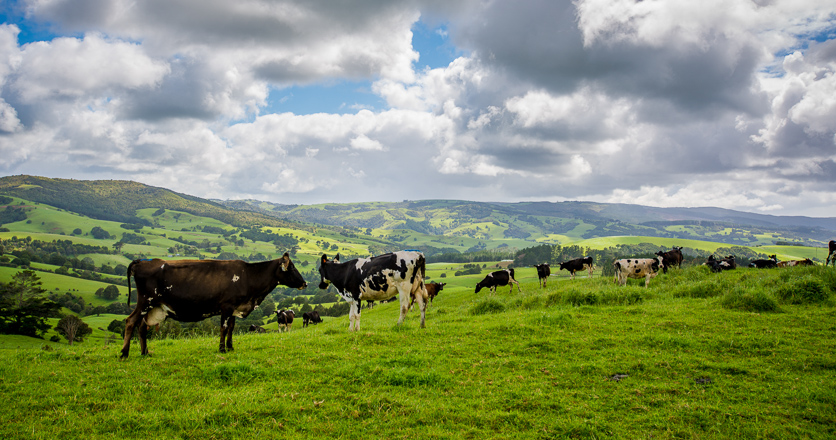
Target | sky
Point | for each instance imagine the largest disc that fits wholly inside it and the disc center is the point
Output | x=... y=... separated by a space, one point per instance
x=669 y=103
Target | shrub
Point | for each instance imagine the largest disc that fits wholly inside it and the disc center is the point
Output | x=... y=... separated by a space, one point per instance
x=757 y=301
x=805 y=290
x=487 y=306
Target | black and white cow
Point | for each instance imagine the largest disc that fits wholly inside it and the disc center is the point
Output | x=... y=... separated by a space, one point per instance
x=499 y=278
x=831 y=253
x=671 y=258
x=375 y=279
x=285 y=319
x=543 y=273
x=193 y=290
x=311 y=317
x=577 y=265
x=646 y=268
x=770 y=263
x=257 y=329
x=716 y=265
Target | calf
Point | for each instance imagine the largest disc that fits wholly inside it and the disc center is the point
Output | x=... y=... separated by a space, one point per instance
x=498 y=278
x=671 y=258
x=257 y=329
x=375 y=279
x=772 y=262
x=285 y=319
x=543 y=273
x=646 y=268
x=831 y=253
x=432 y=290
x=193 y=290
x=310 y=317
x=578 y=264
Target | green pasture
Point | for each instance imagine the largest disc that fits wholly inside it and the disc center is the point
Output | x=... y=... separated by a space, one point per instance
x=54 y=283
x=740 y=354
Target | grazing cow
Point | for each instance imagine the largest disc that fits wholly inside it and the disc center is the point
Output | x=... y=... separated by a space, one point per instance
x=193 y=290
x=578 y=264
x=792 y=263
x=716 y=265
x=310 y=317
x=257 y=329
x=831 y=253
x=543 y=273
x=671 y=258
x=772 y=262
x=285 y=319
x=432 y=290
x=498 y=278
x=646 y=268
x=377 y=278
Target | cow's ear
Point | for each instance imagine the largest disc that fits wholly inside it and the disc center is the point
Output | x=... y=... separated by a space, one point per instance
x=324 y=258
x=337 y=258
x=285 y=261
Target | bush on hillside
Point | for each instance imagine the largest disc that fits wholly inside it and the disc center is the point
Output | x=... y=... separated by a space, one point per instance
x=487 y=306
x=749 y=301
x=805 y=290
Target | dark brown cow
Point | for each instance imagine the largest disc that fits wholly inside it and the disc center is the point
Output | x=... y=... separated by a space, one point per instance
x=193 y=290
x=543 y=273
x=579 y=264
x=831 y=253
x=770 y=263
x=310 y=317
x=671 y=258
x=432 y=290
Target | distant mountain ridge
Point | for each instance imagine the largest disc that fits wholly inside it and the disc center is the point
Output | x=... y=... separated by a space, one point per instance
x=487 y=224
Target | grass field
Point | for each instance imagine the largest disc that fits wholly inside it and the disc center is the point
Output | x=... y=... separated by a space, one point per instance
x=741 y=354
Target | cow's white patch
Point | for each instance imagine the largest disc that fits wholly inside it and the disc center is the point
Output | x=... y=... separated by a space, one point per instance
x=235 y=278
x=162 y=266
x=170 y=287
x=157 y=314
x=361 y=262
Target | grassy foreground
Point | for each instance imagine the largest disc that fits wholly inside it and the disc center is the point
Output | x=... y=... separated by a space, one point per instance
x=686 y=358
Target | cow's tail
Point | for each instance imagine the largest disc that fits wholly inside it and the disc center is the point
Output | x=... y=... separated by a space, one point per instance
x=130 y=272
x=419 y=273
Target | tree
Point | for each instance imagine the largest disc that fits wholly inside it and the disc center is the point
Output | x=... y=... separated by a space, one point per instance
x=24 y=307
x=73 y=328
x=99 y=233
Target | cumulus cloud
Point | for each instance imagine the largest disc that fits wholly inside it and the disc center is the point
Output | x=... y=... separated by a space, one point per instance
x=675 y=103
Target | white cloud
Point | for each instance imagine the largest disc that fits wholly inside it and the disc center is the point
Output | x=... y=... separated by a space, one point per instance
x=614 y=100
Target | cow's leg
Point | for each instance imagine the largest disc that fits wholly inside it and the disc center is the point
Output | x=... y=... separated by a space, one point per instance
x=354 y=316
x=129 y=330
x=404 y=299
x=518 y=286
x=229 y=333
x=143 y=337
x=225 y=317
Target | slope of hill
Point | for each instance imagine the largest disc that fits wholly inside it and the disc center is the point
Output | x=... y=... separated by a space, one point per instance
x=117 y=200
x=563 y=222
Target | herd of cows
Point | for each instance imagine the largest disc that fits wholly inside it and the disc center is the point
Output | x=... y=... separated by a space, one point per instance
x=189 y=290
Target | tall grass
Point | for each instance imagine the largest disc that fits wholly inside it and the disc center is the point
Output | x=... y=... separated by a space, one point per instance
x=582 y=358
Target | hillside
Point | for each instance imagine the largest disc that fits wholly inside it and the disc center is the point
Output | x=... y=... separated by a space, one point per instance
x=118 y=201
x=493 y=224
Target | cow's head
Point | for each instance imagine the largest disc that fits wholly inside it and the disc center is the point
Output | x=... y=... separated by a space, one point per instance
x=288 y=275
x=324 y=280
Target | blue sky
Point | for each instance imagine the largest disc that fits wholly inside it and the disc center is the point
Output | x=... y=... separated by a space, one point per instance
x=316 y=101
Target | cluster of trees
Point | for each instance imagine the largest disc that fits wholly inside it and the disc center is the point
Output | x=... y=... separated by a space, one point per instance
x=470 y=269
x=24 y=307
